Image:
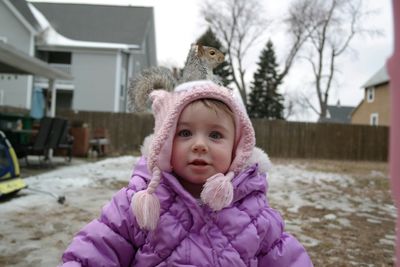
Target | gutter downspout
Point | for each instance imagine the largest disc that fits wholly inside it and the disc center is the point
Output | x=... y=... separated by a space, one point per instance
x=52 y=114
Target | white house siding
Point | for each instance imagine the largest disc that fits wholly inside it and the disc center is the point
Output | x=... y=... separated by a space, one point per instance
x=15 y=89
x=94 y=80
x=149 y=44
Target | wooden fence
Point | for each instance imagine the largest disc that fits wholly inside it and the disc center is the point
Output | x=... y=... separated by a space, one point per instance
x=322 y=140
x=277 y=138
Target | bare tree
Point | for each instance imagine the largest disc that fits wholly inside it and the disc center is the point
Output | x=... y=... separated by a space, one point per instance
x=298 y=33
x=238 y=24
x=329 y=27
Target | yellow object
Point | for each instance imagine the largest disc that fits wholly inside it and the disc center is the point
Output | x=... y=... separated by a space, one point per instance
x=15 y=161
x=11 y=185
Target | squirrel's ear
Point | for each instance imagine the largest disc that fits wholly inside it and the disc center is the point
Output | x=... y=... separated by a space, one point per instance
x=200 y=50
x=193 y=48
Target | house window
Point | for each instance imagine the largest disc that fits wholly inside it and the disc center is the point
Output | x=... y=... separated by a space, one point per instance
x=64 y=99
x=370 y=94
x=374 y=119
x=55 y=57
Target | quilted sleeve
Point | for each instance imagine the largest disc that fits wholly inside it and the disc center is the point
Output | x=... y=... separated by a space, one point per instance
x=110 y=240
x=279 y=248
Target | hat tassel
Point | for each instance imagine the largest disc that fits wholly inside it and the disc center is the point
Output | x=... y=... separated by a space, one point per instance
x=145 y=204
x=218 y=191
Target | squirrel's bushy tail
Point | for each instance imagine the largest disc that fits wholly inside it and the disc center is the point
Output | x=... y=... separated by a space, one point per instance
x=149 y=80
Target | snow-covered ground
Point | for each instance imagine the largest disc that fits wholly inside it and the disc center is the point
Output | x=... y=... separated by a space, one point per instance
x=342 y=212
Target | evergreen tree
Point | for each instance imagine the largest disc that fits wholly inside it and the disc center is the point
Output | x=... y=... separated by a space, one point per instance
x=264 y=99
x=223 y=71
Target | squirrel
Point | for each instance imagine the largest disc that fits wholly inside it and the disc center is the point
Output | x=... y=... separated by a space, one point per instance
x=200 y=63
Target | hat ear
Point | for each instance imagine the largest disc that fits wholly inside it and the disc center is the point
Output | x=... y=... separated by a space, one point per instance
x=157 y=98
x=163 y=103
x=157 y=94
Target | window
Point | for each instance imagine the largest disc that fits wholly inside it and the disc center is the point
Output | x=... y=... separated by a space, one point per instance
x=374 y=119
x=370 y=94
x=56 y=57
x=64 y=99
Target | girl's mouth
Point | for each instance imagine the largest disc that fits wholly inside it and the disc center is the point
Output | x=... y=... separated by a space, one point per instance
x=198 y=162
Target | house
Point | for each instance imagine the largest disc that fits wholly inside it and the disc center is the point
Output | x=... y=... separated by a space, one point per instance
x=338 y=114
x=19 y=32
x=374 y=109
x=100 y=46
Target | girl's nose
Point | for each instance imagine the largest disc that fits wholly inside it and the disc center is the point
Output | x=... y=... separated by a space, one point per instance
x=199 y=146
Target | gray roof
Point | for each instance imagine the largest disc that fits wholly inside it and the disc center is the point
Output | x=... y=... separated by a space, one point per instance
x=378 y=78
x=22 y=7
x=13 y=60
x=98 y=23
x=339 y=114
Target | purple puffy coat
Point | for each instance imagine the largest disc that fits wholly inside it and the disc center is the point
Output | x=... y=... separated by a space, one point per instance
x=247 y=233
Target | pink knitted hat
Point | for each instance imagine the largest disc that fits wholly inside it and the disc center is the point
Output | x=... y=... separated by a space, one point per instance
x=167 y=106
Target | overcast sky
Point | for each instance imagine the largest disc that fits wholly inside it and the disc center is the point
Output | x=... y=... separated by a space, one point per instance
x=178 y=24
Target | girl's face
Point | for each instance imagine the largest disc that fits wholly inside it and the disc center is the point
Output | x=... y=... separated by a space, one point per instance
x=203 y=143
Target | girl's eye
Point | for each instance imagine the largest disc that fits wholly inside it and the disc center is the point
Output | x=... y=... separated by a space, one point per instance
x=215 y=135
x=184 y=133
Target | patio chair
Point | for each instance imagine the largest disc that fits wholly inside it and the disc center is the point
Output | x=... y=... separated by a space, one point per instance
x=57 y=128
x=39 y=146
x=66 y=140
x=58 y=138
